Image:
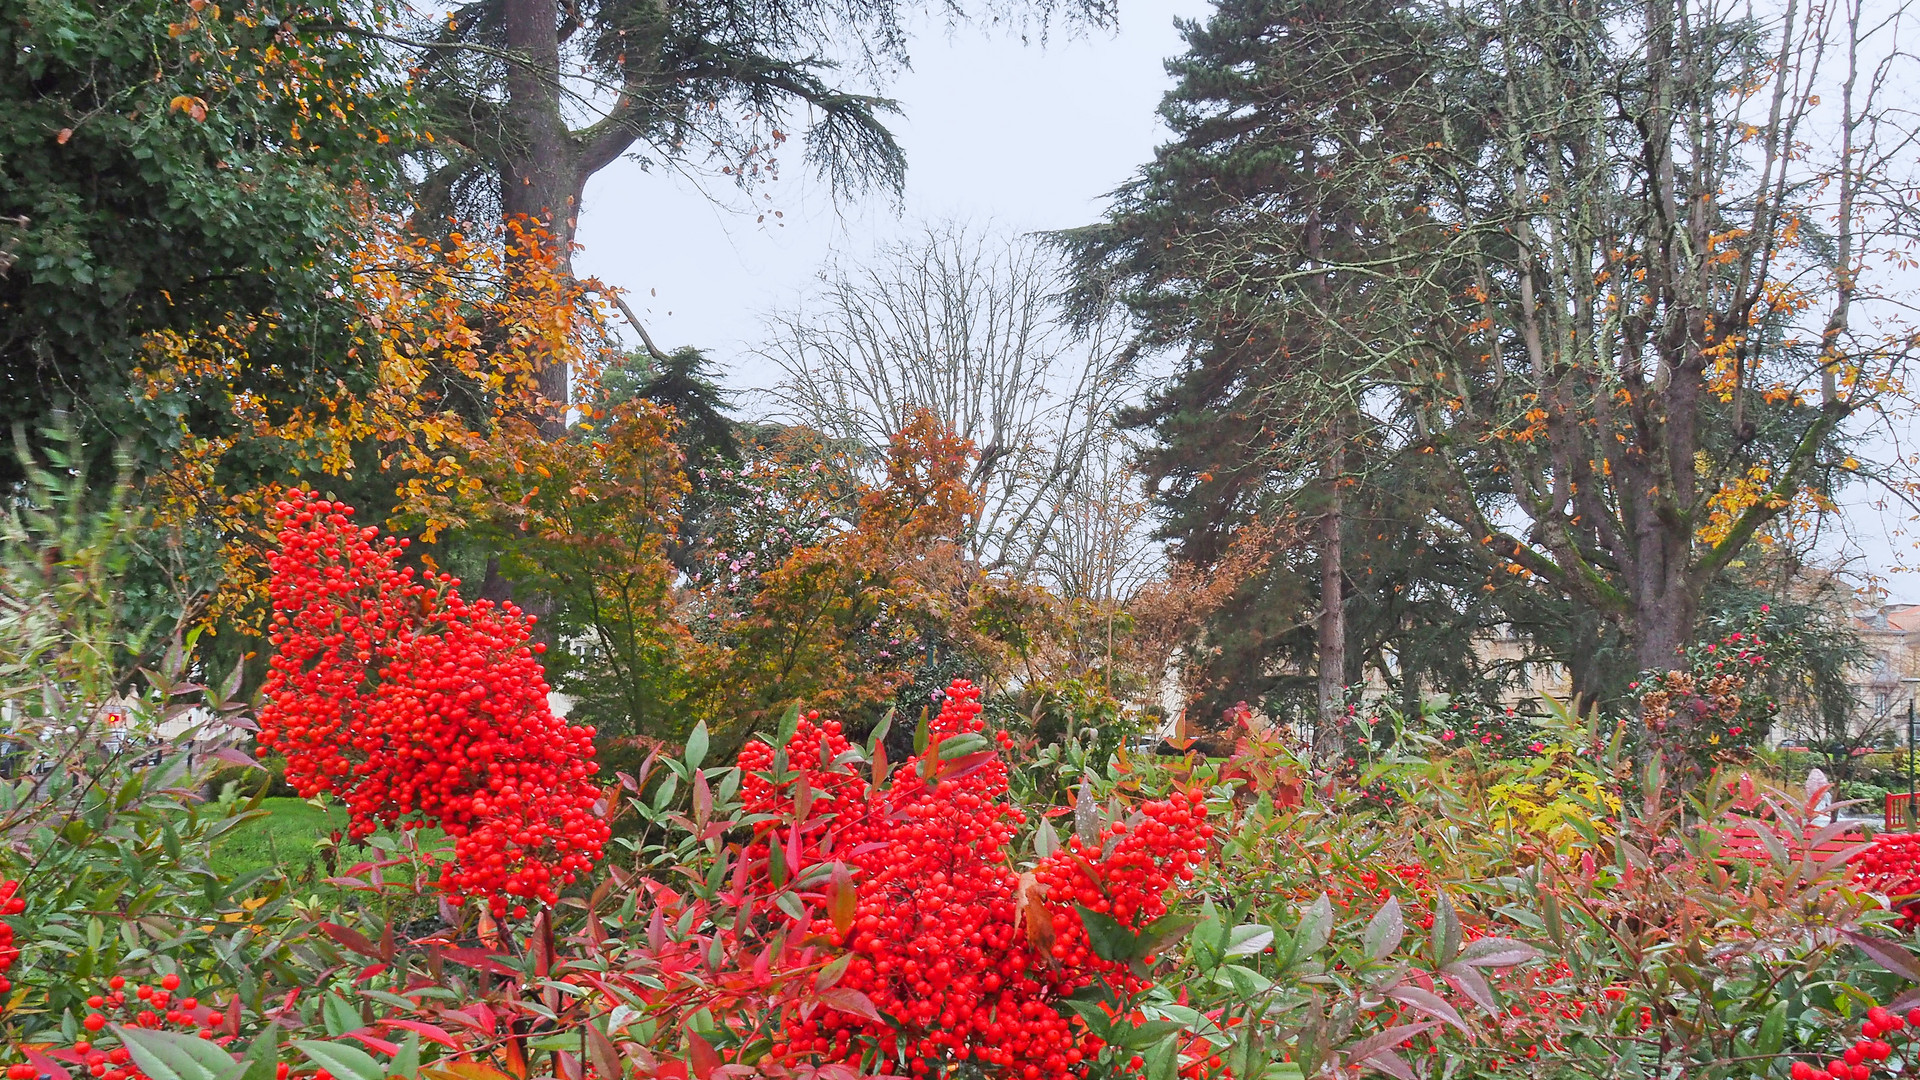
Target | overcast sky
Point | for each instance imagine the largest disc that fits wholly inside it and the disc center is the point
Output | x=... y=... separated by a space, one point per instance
x=1023 y=136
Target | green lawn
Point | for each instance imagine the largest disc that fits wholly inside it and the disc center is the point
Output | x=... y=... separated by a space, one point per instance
x=287 y=838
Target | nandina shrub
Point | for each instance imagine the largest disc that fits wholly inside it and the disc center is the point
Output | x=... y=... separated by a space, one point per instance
x=1892 y=867
x=418 y=708
x=952 y=957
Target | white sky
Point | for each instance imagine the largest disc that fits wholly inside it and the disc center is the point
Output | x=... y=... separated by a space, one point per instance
x=1026 y=137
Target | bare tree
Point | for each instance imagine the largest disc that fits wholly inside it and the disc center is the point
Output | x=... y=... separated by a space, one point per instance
x=961 y=321
x=1102 y=549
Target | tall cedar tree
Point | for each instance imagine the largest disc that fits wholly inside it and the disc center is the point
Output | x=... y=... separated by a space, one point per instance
x=1286 y=116
x=529 y=99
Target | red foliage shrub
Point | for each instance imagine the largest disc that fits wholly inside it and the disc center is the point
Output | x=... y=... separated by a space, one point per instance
x=418 y=708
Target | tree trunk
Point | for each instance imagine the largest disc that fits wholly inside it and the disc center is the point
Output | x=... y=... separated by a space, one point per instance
x=1663 y=625
x=1330 y=741
x=541 y=179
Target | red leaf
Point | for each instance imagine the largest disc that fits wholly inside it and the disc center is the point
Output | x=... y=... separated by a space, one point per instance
x=426 y=1031
x=849 y=1000
x=1430 y=1003
x=352 y=939
x=702 y=799
x=480 y=960
x=1391 y=1037
x=46 y=1065
x=705 y=1058
x=374 y=1043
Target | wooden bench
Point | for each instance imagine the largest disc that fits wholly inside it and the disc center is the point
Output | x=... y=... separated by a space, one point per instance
x=1744 y=843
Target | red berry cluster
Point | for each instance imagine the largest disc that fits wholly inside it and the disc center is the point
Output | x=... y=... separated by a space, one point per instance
x=158 y=1006
x=10 y=904
x=161 y=1006
x=955 y=958
x=1869 y=1053
x=1892 y=866
x=418 y=708
x=1126 y=875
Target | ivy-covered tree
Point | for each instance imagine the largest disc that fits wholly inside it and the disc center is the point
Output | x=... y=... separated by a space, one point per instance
x=180 y=167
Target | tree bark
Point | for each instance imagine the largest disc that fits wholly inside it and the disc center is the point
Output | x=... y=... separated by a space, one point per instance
x=541 y=181
x=1330 y=740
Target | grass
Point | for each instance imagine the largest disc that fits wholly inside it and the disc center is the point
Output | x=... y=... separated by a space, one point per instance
x=285 y=838
x=288 y=838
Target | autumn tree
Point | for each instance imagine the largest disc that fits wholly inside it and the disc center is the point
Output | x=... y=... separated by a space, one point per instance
x=1675 y=314
x=586 y=521
x=839 y=622
x=445 y=343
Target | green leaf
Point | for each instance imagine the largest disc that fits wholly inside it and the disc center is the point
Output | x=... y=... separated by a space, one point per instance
x=971 y=742
x=697 y=745
x=1284 y=946
x=1045 y=840
x=1210 y=935
x=1550 y=908
x=1095 y=1016
x=1145 y=1033
x=407 y=1061
x=1248 y=939
x=1164 y=931
x=340 y=1016
x=830 y=975
x=1446 y=929
x=663 y=795
x=168 y=1055
x=920 y=733
x=1316 y=926
x=1111 y=941
x=263 y=1057
x=789 y=723
x=1385 y=931
x=1163 y=1059
x=1773 y=1030
x=1498 y=952
x=343 y=1061
x=880 y=731
x=1243 y=981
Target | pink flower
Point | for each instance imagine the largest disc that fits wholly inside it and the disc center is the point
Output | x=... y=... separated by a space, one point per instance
x=1536 y=746
x=1484 y=739
x=1446 y=736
